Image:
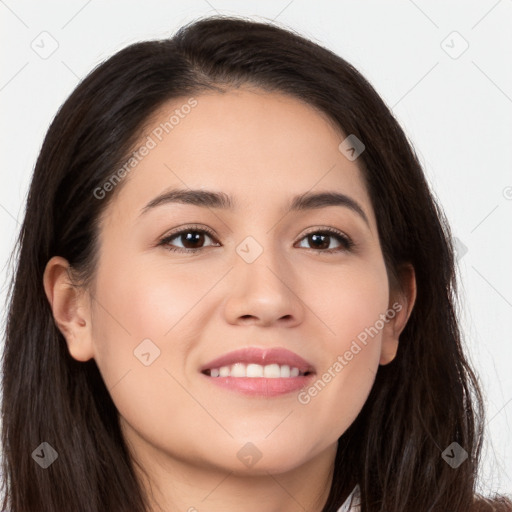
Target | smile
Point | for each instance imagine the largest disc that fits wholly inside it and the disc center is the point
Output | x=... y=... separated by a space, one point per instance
x=259 y=372
x=253 y=370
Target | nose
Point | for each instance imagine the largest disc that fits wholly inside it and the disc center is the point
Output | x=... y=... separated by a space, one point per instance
x=264 y=292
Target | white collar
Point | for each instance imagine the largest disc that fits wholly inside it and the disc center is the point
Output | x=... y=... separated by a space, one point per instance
x=352 y=503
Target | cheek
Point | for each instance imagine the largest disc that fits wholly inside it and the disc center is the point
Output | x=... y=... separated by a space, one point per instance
x=136 y=324
x=138 y=301
x=132 y=312
x=351 y=306
x=351 y=300
x=146 y=319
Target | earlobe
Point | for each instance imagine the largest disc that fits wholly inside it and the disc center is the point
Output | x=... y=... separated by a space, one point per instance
x=70 y=308
x=401 y=304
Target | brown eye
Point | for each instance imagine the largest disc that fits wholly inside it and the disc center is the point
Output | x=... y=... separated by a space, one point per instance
x=321 y=240
x=191 y=239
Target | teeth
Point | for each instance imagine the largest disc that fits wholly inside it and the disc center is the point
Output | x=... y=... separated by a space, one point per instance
x=238 y=370
x=252 y=370
x=285 y=370
x=270 y=371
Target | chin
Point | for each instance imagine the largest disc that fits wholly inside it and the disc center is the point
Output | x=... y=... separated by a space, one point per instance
x=264 y=457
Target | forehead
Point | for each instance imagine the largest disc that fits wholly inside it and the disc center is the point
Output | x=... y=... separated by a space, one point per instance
x=259 y=147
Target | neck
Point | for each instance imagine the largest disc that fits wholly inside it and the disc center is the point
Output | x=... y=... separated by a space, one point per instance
x=174 y=485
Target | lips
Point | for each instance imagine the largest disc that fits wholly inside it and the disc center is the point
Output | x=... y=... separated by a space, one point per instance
x=262 y=357
x=259 y=372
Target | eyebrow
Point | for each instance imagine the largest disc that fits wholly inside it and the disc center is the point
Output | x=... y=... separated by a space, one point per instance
x=220 y=200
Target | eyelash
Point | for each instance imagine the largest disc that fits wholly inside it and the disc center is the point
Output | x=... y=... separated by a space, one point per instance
x=346 y=243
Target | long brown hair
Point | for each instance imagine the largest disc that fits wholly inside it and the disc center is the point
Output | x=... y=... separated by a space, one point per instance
x=421 y=403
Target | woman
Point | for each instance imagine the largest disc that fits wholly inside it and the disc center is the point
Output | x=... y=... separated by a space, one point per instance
x=235 y=292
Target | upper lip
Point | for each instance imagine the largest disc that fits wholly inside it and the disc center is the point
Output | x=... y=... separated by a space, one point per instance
x=261 y=356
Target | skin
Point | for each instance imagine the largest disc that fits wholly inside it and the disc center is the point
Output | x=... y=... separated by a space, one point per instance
x=262 y=148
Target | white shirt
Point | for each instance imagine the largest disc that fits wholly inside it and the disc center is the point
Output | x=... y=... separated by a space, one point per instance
x=352 y=503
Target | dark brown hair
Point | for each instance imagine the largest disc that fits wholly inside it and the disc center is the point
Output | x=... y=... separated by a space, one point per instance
x=422 y=402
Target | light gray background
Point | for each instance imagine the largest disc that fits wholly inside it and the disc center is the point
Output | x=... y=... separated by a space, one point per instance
x=455 y=107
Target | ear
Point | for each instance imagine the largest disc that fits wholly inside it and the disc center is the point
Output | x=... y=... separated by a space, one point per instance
x=402 y=297
x=71 y=308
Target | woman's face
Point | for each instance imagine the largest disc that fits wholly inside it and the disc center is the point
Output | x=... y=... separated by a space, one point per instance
x=263 y=277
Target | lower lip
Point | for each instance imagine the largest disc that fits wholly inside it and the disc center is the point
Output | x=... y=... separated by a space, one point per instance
x=261 y=386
